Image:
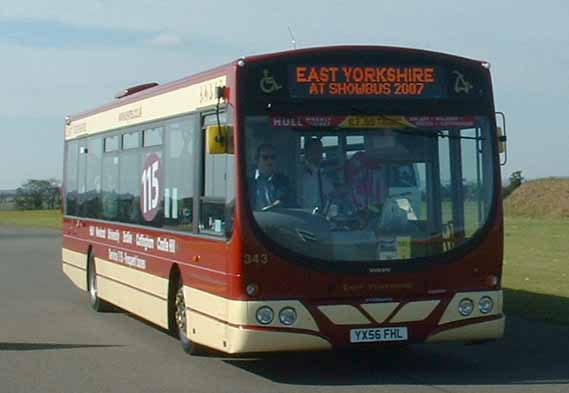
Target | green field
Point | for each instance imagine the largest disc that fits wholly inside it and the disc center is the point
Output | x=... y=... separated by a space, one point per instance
x=536 y=262
x=536 y=268
x=31 y=218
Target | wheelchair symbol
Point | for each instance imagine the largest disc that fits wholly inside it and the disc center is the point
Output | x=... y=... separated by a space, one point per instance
x=268 y=83
x=461 y=85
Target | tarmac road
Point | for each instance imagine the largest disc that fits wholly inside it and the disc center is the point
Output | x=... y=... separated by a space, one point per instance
x=50 y=341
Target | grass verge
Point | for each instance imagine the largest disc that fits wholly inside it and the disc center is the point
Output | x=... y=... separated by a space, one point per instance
x=31 y=218
x=536 y=268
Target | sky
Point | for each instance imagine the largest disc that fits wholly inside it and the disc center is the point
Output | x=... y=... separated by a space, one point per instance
x=66 y=56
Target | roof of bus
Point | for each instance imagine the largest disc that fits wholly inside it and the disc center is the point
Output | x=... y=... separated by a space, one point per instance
x=207 y=74
x=157 y=90
x=357 y=48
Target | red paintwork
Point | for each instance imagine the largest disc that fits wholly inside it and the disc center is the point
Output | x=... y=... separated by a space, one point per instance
x=220 y=269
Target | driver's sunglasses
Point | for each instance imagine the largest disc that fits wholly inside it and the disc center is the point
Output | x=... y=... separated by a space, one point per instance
x=266 y=157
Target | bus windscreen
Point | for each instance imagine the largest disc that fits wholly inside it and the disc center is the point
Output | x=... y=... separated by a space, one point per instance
x=348 y=188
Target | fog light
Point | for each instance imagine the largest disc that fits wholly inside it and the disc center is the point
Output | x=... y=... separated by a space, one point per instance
x=287 y=316
x=265 y=315
x=466 y=307
x=252 y=289
x=486 y=305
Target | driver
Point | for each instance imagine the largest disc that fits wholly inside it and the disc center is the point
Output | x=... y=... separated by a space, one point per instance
x=268 y=188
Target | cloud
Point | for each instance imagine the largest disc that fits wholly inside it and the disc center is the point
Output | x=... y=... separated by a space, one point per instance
x=164 y=40
x=49 y=34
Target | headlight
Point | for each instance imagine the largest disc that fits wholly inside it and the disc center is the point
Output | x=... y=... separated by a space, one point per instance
x=486 y=305
x=265 y=315
x=287 y=316
x=465 y=307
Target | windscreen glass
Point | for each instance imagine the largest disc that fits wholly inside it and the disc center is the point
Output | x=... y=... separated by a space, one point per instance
x=354 y=188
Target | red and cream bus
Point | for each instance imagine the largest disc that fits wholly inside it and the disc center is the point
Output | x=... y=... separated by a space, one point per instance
x=172 y=214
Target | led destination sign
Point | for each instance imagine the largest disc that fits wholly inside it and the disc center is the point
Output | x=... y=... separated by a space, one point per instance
x=378 y=81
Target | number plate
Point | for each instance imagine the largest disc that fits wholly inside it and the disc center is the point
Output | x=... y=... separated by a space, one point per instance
x=378 y=334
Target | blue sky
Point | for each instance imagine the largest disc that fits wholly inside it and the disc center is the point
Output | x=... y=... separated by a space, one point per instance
x=64 y=57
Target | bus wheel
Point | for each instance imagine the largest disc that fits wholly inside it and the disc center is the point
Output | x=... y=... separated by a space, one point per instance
x=96 y=302
x=182 y=321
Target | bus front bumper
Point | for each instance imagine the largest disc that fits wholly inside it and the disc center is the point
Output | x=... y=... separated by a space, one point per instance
x=472 y=332
x=245 y=340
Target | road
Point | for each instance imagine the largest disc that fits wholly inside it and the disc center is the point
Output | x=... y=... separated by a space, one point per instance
x=50 y=341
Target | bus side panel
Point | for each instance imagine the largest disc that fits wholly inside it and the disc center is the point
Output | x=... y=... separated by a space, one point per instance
x=127 y=277
x=74 y=255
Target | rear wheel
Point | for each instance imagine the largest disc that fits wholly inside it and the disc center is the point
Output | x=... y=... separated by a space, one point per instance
x=96 y=302
x=181 y=319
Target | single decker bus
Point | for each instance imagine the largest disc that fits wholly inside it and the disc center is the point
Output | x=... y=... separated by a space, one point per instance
x=312 y=199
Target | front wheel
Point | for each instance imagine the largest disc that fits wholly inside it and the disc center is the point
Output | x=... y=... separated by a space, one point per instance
x=96 y=302
x=182 y=322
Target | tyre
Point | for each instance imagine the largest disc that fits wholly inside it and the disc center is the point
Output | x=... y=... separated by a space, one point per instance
x=181 y=325
x=95 y=301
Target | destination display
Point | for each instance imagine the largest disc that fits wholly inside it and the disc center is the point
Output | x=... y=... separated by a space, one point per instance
x=366 y=81
x=370 y=121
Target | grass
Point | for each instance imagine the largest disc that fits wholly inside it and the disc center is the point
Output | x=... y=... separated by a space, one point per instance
x=31 y=218
x=536 y=268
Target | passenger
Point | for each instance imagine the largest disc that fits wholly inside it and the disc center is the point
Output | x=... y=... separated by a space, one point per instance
x=267 y=188
x=366 y=183
x=314 y=186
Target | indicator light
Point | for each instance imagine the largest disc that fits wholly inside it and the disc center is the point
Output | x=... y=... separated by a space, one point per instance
x=252 y=289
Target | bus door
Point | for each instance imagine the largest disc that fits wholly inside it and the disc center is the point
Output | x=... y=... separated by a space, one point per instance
x=217 y=184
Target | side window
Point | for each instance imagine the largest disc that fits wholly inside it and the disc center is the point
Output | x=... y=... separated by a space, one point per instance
x=150 y=177
x=131 y=140
x=111 y=143
x=129 y=178
x=217 y=198
x=82 y=178
x=71 y=155
x=92 y=197
x=153 y=137
x=110 y=179
x=180 y=163
x=129 y=187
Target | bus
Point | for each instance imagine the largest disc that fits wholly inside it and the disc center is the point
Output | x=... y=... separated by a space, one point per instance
x=186 y=203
